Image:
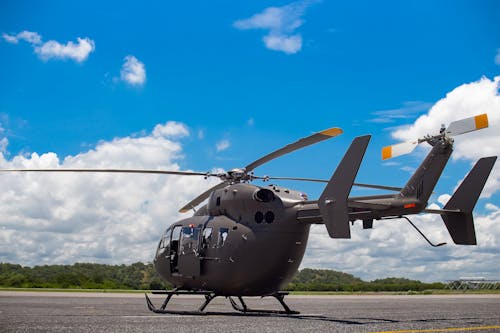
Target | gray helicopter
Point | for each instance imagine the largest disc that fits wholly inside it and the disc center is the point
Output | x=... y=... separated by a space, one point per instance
x=249 y=240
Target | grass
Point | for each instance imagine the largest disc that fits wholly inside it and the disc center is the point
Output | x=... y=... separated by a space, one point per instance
x=409 y=292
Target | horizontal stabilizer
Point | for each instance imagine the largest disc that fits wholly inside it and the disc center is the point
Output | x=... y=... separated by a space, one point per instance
x=333 y=202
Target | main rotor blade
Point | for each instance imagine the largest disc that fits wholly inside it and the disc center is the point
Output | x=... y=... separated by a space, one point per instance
x=398 y=149
x=467 y=125
x=162 y=172
x=379 y=187
x=304 y=142
x=199 y=199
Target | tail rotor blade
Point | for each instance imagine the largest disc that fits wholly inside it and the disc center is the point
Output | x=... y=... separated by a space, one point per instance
x=399 y=149
x=467 y=125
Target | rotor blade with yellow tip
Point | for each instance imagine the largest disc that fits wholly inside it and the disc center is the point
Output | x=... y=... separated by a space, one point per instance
x=399 y=149
x=467 y=125
x=304 y=142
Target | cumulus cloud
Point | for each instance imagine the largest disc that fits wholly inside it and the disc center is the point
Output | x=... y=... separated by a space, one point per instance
x=281 y=23
x=78 y=52
x=106 y=218
x=394 y=248
x=52 y=49
x=222 y=145
x=133 y=71
x=467 y=100
x=170 y=129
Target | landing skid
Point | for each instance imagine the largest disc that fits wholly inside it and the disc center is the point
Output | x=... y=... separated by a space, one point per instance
x=209 y=296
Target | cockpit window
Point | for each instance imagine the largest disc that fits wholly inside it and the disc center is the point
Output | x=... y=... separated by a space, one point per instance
x=165 y=242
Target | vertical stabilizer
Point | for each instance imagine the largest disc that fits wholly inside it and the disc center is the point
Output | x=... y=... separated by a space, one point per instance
x=461 y=224
x=333 y=201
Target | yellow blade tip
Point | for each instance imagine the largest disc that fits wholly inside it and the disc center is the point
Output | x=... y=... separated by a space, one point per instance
x=481 y=121
x=386 y=152
x=334 y=131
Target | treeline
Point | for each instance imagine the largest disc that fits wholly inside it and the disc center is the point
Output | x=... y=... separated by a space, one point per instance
x=140 y=276
x=328 y=280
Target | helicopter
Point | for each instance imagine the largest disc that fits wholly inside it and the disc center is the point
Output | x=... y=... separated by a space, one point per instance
x=249 y=240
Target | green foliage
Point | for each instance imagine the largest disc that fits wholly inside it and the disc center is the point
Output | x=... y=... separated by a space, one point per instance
x=328 y=280
x=82 y=276
x=140 y=276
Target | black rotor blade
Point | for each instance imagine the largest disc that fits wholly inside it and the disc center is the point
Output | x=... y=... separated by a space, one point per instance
x=379 y=187
x=265 y=178
x=161 y=172
x=304 y=142
x=199 y=199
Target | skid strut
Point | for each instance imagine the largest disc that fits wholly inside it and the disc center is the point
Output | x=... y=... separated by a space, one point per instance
x=280 y=296
x=209 y=296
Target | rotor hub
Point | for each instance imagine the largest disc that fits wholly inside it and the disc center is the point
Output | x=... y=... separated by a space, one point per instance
x=235 y=175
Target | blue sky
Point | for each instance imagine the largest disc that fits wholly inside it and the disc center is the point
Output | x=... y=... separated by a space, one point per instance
x=247 y=77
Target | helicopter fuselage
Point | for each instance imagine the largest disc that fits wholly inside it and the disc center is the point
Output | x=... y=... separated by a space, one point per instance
x=224 y=247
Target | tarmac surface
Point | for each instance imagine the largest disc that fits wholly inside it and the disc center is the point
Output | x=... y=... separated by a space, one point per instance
x=108 y=312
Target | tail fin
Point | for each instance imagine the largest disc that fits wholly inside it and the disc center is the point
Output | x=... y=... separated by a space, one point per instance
x=460 y=225
x=333 y=201
x=423 y=181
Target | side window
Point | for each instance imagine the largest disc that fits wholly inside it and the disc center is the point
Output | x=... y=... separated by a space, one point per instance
x=223 y=232
x=189 y=240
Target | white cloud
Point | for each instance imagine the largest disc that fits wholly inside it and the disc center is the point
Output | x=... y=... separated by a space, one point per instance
x=30 y=37
x=443 y=199
x=133 y=71
x=409 y=110
x=288 y=44
x=222 y=145
x=467 y=100
x=106 y=218
x=394 y=248
x=52 y=49
x=281 y=23
x=10 y=38
x=27 y=36
x=497 y=57
x=171 y=129
x=4 y=142
x=78 y=52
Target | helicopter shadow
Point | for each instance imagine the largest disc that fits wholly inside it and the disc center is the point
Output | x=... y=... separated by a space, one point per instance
x=359 y=321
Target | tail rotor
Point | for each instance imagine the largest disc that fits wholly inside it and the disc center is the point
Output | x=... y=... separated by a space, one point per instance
x=455 y=128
